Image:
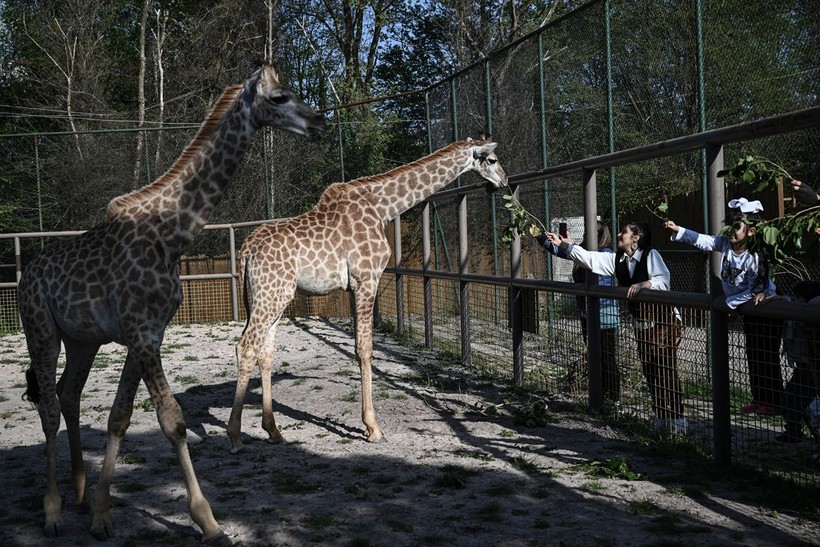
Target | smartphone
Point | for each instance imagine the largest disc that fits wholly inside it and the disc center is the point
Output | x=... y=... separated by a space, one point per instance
x=562 y=229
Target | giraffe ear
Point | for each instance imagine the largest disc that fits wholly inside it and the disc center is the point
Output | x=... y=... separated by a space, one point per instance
x=484 y=150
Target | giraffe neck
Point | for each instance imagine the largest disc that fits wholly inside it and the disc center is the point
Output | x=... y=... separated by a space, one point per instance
x=181 y=201
x=405 y=187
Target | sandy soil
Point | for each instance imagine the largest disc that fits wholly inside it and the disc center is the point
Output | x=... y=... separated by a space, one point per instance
x=449 y=473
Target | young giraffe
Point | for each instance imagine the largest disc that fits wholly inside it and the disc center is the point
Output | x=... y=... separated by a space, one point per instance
x=120 y=282
x=339 y=244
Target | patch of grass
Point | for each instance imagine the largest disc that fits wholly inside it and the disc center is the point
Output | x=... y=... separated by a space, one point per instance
x=477 y=455
x=187 y=380
x=534 y=413
x=129 y=487
x=292 y=485
x=507 y=434
x=453 y=476
x=3 y=398
x=671 y=524
x=146 y=405
x=491 y=512
x=644 y=507
x=523 y=464
x=175 y=346
x=594 y=486
x=319 y=522
x=616 y=468
x=351 y=397
x=398 y=526
x=501 y=490
x=132 y=459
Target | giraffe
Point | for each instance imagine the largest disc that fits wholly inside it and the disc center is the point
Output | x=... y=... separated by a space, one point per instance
x=339 y=244
x=119 y=282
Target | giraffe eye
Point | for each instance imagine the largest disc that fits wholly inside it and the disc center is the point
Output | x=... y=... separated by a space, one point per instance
x=278 y=99
x=492 y=161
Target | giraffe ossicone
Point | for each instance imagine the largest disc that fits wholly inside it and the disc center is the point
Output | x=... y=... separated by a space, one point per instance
x=119 y=282
x=339 y=244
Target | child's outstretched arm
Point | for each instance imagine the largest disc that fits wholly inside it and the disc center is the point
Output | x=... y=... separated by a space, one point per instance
x=691 y=237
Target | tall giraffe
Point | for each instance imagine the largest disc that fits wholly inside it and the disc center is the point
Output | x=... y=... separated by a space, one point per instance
x=119 y=282
x=339 y=244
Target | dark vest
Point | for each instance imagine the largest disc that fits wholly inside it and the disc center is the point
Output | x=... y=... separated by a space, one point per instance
x=641 y=273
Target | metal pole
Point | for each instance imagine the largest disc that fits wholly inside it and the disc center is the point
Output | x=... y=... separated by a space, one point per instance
x=488 y=106
x=427 y=281
x=234 y=283
x=39 y=190
x=516 y=309
x=610 y=109
x=542 y=92
x=399 y=277
x=719 y=320
x=593 y=303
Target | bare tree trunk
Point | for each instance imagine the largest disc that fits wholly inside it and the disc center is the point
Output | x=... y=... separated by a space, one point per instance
x=70 y=52
x=141 y=96
x=159 y=38
x=268 y=134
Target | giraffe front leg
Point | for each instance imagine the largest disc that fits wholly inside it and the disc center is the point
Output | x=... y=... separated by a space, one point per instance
x=364 y=354
x=172 y=423
x=372 y=431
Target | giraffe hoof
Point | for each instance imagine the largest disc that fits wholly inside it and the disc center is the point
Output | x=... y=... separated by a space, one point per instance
x=277 y=440
x=52 y=529
x=375 y=437
x=102 y=529
x=219 y=540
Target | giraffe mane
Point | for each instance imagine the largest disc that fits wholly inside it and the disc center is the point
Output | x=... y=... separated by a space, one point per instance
x=119 y=204
x=332 y=192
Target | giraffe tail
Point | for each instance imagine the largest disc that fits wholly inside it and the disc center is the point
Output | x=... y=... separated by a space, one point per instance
x=32 y=393
x=245 y=265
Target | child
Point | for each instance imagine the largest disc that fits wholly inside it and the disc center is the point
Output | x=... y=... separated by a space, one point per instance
x=800 y=389
x=746 y=282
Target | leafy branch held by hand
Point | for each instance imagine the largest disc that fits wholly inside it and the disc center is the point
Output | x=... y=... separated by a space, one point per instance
x=521 y=220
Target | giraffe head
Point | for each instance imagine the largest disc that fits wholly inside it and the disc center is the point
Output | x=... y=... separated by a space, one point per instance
x=273 y=104
x=484 y=162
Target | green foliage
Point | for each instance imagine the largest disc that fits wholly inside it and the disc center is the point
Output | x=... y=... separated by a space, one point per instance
x=616 y=468
x=757 y=171
x=782 y=237
x=535 y=413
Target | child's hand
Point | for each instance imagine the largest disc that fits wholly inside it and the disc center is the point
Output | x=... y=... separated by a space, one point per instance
x=761 y=297
x=670 y=225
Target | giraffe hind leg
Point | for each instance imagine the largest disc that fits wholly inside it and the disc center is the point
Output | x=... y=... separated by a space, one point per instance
x=265 y=361
x=255 y=346
x=79 y=358
x=42 y=390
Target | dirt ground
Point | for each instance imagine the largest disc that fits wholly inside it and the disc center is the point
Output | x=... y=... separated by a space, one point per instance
x=449 y=473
